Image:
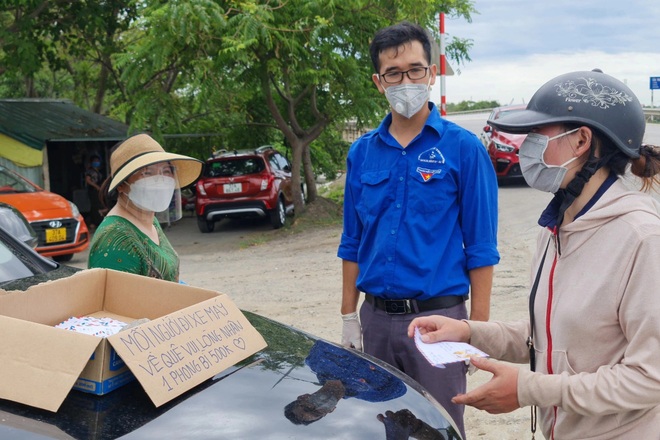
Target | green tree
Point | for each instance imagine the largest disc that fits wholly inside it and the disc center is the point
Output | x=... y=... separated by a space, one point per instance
x=471 y=105
x=305 y=61
x=233 y=73
x=59 y=48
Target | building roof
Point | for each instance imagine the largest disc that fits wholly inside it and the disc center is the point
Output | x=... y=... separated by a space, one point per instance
x=37 y=121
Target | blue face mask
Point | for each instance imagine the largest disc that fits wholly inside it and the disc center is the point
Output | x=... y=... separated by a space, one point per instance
x=536 y=172
x=96 y=164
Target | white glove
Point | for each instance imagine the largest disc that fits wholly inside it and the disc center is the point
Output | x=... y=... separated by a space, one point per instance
x=351 y=332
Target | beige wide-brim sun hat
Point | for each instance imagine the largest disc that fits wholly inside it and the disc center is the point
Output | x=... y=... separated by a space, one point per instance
x=142 y=150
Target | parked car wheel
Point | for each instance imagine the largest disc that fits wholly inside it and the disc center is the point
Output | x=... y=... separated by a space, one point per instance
x=278 y=215
x=204 y=225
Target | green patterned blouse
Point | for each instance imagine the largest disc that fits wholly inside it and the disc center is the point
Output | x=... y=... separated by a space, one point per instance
x=118 y=244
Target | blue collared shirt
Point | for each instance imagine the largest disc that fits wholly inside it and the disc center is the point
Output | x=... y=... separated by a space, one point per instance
x=361 y=379
x=417 y=219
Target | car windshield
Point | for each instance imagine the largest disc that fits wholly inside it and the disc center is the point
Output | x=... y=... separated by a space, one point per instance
x=13 y=222
x=11 y=267
x=507 y=112
x=11 y=183
x=233 y=167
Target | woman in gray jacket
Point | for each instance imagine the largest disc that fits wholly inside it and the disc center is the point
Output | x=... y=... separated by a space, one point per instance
x=593 y=338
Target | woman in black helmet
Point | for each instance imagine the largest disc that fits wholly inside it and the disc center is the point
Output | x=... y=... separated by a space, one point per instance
x=593 y=338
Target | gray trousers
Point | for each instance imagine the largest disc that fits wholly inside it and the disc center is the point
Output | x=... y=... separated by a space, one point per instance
x=385 y=337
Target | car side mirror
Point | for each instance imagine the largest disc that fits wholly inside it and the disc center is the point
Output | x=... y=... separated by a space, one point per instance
x=487 y=128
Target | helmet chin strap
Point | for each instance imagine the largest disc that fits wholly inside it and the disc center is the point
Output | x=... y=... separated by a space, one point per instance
x=574 y=188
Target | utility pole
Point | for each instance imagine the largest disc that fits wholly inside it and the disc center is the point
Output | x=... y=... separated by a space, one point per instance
x=443 y=68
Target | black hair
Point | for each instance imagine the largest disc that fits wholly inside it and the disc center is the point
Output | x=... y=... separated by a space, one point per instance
x=107 y=198
x=646 y=167
x=396 y=35
x=613 y=158
x=610 y=155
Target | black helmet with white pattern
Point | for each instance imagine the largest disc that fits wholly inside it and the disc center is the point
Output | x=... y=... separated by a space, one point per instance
x=589 y=98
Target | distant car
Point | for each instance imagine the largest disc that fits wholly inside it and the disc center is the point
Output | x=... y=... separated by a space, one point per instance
x=244 y=184
x=60 y=228
x=298 y=387
x=503 y=147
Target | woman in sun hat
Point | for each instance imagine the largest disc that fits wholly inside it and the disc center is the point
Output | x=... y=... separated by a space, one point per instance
x=593 y=339
x=145 y=180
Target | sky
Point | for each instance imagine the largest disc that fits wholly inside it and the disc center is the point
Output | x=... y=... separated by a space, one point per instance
x=518 y=45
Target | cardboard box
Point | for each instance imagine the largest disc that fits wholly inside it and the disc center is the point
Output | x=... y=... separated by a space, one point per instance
x=193 y=334
x=104 y=372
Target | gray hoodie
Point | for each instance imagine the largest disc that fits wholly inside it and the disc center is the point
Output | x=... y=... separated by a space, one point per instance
x=597 y=324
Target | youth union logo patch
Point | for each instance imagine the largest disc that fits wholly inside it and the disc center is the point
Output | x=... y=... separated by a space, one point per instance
x=430 y=158
x=427 y=173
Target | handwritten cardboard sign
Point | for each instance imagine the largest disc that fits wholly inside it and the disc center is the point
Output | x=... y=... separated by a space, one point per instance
x=172 y=354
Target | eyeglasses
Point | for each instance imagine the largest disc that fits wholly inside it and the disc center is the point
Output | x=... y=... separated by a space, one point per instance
x=396 y=77
x=163 y=169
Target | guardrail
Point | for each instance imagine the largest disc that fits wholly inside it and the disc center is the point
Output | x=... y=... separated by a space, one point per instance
x=652 y=114
x=467 y=112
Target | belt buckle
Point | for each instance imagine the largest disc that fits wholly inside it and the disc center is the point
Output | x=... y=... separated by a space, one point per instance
x=398 y=306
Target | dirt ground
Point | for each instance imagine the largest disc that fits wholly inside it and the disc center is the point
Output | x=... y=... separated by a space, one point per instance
x=294 y=276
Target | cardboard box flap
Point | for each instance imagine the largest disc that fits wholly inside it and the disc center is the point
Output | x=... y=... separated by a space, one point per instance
x=156 y=297
x=174 y=353
x=39 y=363
x=53 y=301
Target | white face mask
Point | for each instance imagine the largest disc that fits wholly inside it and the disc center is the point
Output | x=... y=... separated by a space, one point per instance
x=153 y=193
x=408 y=99
x=536 y=172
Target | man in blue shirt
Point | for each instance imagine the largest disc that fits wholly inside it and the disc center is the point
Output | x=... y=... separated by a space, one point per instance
x=420 y=219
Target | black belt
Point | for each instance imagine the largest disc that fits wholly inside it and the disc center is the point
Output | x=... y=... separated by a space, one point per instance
x=405 y=306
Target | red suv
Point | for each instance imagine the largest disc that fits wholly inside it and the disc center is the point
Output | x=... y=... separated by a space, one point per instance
x=503 y=147
x=244 y=183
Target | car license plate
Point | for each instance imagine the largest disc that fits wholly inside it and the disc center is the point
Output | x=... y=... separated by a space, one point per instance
x=230 y=188
x=55 y=235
